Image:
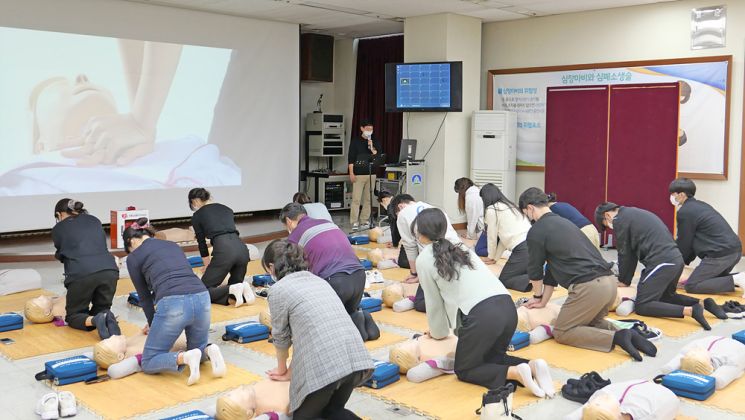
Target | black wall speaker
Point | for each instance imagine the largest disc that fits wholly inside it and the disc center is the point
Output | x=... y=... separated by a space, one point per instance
x=316 y=58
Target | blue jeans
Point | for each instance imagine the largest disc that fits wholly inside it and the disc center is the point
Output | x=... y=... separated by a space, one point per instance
x=174 y=314
x=482 y=249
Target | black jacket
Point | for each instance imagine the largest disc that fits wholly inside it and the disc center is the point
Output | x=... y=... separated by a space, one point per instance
x=642 y=236
x=211 y=221
x=81 y=246
x=358 y=149
x=703 y=232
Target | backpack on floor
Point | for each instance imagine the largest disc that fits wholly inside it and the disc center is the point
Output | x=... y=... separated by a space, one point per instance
x=195 y=261
x=246 y=332
x=134 y=299
x=262 y=280
x=519 y=340
x=739 y=336
x=10 y=321
x=191 y=415
x=496 y=404
x=371 y=304
x=687 y=384
x=69 y=370
x=366 y=264
x=385 y=373
x=358 y=239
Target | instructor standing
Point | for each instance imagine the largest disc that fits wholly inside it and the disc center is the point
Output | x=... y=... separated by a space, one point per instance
x=361 y=148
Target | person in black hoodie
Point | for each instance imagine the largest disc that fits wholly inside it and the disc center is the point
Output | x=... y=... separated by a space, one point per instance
x=90 y=273
x=703 y=233
x=642 y=236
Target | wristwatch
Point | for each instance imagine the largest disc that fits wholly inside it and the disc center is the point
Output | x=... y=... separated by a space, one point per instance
x=413 y=273
x=537 y=297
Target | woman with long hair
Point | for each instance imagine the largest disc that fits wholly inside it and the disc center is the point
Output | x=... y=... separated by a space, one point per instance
x=506 y=230
x=462 y=294
x=329 y=359
x=470 y=204
x=90 y=272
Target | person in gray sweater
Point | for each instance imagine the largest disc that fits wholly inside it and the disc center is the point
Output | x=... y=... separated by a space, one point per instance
x=329 y=359
x=462 y=294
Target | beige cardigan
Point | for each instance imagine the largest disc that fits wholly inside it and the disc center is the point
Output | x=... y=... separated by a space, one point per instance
x=509 y=226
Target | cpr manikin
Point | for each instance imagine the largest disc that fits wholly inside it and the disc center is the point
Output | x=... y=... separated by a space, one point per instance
x=630 y=400
x=19 y=280
x=380 y=235
x=400 y=296
x=624 y=303
x=538 y=322
x=44 y=309
x=255 y=401
x=424 y=358
x=719 y=357
x=177 y=235
x=384 y=259
x=121 y=355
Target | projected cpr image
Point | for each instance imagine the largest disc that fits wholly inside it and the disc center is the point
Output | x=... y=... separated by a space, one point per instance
x=83 y=113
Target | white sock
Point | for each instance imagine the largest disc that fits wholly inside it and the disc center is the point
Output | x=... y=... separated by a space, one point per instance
x=237 y=291
x=430 y=369
x=124 y=368
x=625 y=308
x=403 y=305
x=543 y=376
x=248 y=293
x=541 y=333
x=218 y=363
x=527 y=380
x=193 y=358
x=739 y=280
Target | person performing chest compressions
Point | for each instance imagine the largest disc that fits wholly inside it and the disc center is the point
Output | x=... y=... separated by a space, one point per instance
x=91 y=272
x=216 y=222
x=362 y=181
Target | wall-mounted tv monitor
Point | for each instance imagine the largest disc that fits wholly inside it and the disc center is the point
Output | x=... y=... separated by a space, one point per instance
x=424 y=87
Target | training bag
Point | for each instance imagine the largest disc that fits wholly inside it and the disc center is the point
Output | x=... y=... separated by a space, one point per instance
x=262 y=280
x=739 y=336
x=246 y=332
x=191 y=415
x=359 y=239
x=519 y=340
x=134 y=299
x=385 y=373
x=687 y=384
x=496 y=404
x=366 y=264
x=195 y=261
x=69 y=370
x=10 y=321
x=371 y=304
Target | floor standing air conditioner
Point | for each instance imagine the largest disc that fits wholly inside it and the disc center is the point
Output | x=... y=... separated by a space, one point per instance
x=494 y=149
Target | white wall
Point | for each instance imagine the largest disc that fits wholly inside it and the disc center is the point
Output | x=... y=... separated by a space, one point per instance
x=445 y=37
x=648 y=32
x=338 y=97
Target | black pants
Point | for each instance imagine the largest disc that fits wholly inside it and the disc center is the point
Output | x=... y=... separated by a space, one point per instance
x=656 y=293
x=89 y=295
x=481 y=354
x=349 y=287
x=419 y=304
x=514 y=275
x=713 y=275
x=329 y=401
x=229 y=256
x=403 y=259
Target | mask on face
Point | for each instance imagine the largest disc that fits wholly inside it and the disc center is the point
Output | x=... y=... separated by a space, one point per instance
x=610 y=224
x=367 y=133
x=673 y=201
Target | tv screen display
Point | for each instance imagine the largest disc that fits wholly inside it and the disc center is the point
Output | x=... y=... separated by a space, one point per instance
x=424 y=87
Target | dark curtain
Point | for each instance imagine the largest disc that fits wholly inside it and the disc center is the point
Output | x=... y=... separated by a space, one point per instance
x=369 y=92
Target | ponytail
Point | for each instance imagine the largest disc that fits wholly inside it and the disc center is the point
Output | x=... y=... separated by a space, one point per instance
x=138 y=229
x=449 y=257
x=70 y=207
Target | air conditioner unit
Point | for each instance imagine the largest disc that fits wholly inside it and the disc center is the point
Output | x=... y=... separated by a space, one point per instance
x=494 y=150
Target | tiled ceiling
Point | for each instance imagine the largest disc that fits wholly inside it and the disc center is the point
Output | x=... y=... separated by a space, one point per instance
x=361 y=18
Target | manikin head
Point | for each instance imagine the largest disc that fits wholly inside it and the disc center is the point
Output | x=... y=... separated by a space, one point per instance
x=39 y=309
x=291 y=215
x=239 y=404
x=602 y=407
x=109 y=351
x=198 y=197
x=604 y=215
x=681 y=189
x=392 y=294
x=265 y=318
x=405 y=355
x=697 y=360
x=62 y=108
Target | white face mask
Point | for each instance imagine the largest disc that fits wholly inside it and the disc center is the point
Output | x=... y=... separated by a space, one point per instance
x=609 y=223
x=673 y=201
x=367 y=133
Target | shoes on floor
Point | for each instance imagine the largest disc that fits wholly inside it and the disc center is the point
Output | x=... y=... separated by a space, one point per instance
x=112 y=324
x=355 y=227
x=68 y=407
x=55 y=405
x=100 y=322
